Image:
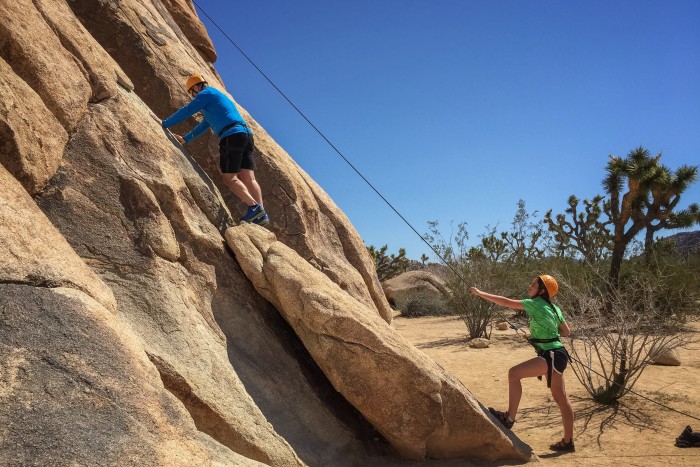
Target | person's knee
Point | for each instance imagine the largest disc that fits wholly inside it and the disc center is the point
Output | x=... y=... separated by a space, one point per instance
x=559 y=394
x=513 y=374
x=559 y=397
x=246 y=176
x=231 y=178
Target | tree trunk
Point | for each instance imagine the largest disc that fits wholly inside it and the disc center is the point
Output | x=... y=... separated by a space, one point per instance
x=648 y=244
x=618 y=254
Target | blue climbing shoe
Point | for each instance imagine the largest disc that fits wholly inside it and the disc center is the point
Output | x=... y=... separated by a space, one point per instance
x=253 y=213
x=262 y=220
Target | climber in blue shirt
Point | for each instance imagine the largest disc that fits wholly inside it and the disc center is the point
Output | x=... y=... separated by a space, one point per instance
x=235 y=144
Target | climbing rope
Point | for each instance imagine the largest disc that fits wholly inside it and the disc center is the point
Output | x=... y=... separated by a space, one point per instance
x=442 y=259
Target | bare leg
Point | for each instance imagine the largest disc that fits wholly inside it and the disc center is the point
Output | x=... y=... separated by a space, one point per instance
x=528 y=369
x=248 y=178
x=239 y=189
x=562 y=400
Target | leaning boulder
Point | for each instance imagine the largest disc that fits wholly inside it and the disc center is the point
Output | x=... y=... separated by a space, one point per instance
x=433 y=415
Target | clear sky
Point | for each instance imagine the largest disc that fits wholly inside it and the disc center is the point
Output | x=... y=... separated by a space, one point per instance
x=455 y=110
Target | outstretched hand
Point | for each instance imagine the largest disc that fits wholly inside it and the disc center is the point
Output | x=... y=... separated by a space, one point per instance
x=475 y=291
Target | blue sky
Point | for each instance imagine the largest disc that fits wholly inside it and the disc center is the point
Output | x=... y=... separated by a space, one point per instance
x=455 y=110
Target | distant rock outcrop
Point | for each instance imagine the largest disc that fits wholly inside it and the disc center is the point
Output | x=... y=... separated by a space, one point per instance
x=410 y=284
x=686 y=242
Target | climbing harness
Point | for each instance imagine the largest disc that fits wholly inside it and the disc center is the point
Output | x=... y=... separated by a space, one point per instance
x=234 y=124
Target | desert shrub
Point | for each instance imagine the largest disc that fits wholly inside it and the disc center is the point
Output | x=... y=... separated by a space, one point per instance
x=616 y=336
x=476 y=313
x=423 y=304
x=675 y=277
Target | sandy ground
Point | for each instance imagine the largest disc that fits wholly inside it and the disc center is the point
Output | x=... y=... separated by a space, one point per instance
x=636 y=433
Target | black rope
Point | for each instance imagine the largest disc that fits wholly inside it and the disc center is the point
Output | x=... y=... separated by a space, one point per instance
x=517 y=329
x=382 y=196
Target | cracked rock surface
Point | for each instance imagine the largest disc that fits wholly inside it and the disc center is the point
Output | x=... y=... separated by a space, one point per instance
x=129 y=334
x=418 y=407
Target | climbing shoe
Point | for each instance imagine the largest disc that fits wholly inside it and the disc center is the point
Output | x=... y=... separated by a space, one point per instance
x=502 y=417
x=563 y=446
x=253 y=213
x=262 y=220
x=688 y=439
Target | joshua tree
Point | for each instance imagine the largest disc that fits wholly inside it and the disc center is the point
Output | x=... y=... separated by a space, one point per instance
x=423 y=259
x=675 y=220
x=653 y=191
x=585 y=233
x=388 y=266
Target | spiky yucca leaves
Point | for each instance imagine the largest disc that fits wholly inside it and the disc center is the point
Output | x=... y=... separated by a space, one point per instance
x=653 y=191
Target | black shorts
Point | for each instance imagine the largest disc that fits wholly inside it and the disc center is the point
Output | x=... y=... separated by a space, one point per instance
x=236 y=153
x=557 y=360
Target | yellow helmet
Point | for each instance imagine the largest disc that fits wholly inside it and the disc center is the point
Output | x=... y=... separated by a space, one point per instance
x=550 y=284
x=194 y=79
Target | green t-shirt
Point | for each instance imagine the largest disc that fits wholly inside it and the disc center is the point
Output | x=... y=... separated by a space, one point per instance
x=544 y=324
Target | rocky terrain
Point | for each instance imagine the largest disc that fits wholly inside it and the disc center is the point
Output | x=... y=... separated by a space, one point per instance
x=131 y=332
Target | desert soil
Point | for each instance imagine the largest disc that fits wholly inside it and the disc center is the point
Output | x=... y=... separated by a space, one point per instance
x=635 y=433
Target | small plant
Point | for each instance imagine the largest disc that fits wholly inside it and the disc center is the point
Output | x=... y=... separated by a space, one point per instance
x=423 y=259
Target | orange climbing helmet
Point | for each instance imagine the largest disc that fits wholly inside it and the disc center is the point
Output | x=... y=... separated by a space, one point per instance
x=550 y=284
x=193 y=80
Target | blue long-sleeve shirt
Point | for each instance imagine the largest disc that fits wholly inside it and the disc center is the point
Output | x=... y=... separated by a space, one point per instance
x=218 y=111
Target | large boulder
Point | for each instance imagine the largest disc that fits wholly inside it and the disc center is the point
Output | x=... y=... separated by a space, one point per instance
x=411 y=284
x=668 y=358
x=142 y=218
x=432 y=415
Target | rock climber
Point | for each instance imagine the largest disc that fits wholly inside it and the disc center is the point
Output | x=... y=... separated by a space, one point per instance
x=547 y=324
x=235 y=142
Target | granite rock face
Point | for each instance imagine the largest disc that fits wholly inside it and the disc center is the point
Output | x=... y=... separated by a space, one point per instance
x=128 y=331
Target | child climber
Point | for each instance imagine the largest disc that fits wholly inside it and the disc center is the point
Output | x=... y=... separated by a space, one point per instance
x=546 y=325
x=235 y=143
